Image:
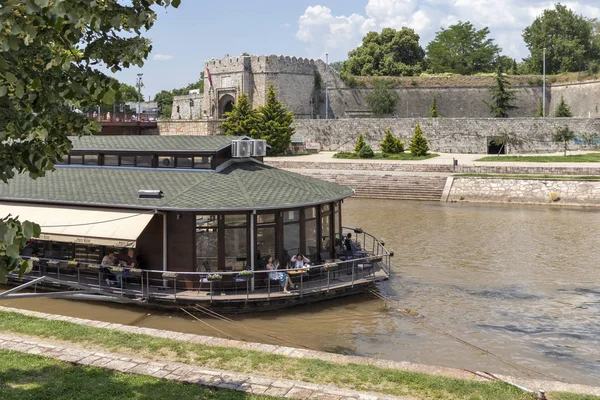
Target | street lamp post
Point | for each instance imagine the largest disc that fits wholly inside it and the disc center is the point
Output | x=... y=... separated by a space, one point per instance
x=191 y=105
x=326 y=86
x=544 y=87
x=139 y=85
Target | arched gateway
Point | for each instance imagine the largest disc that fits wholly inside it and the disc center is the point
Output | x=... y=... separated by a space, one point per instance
x=225 y=105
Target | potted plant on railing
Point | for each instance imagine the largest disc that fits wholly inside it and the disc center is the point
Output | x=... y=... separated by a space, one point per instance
x=375 y=258
x=93 y=267
x=34 y=261
x=329 y=266
x=72 y=263
x=214 y=277
x=52 y=263
x=245 y=274
x=169 y=275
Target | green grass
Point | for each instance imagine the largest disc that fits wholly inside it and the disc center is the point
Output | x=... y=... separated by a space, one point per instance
x=551 y=177
x=386 y=156
x=352 y=376
x=590 y=157
x=25 y=376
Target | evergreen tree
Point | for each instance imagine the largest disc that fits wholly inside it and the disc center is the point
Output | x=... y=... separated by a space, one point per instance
x=274 y=123
x=433 y=112
x=563 y=110
x=540 y=108
x=391 y=144
x=241 y=120
x=502 y=97
x=418 y=144
x=360 y=143
x=366 y=152
x=382 y=100
x=563 y=135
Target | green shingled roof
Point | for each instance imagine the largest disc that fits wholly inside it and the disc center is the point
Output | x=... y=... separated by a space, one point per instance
x=243 y=185
x=151 y=143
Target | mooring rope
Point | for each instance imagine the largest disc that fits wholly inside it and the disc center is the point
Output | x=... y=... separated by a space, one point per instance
x=206 y=323
x=431 y=328
x=221 y=317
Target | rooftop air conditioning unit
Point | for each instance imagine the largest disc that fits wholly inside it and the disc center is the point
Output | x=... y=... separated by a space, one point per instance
x=241 y=148
x=259 y=148
x=150 y=194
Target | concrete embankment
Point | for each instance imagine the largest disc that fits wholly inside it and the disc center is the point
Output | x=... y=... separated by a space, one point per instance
x=433 y=179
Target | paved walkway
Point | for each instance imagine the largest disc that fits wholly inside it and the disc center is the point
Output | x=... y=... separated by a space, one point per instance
x=245 y=382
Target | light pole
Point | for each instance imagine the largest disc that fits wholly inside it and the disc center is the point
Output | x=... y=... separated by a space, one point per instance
x=326 y=86
x=139 y=85
x=191 y=105
x=544 y=87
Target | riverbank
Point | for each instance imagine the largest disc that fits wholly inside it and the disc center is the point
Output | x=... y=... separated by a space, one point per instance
x=275 y=363
x=436 y=179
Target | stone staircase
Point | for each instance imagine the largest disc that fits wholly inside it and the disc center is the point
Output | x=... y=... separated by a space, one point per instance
x=394 y=187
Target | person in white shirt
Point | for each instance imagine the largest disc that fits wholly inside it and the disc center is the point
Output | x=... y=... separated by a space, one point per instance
x=299 y=260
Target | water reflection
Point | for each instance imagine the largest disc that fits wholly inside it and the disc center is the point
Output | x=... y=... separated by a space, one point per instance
x=521 y=282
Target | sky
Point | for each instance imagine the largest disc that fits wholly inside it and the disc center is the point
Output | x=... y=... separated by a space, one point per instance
x=197 y=31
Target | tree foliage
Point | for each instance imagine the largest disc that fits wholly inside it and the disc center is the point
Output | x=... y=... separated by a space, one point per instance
x=49 y=54
x=164 y=100
x=366 y=152
x=507 y=139
x=199 y=84
x=418 y=144
x=563 y=110
x=274 y=123
x=389 y=53
x=360 y=143
x=128 y=93
x=382 y=100
x=540 y=108
x=433 y=112
x=242 y=120
x=502 y=97
x=461 y=49
x=391 y=144
x=563 y=135
x=567 y=37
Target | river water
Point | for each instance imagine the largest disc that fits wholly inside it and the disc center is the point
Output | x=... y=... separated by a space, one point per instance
x=521 y=282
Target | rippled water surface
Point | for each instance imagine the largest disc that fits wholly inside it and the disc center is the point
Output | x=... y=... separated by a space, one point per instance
x=520 y=282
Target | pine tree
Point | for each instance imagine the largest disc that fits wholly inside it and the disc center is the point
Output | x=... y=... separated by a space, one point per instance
x=274 y=123
x=418 y=144
x=502 y=97
x=563 y=135
x=563 y=110
x=433 y=113
x=540 y=109
x=241 y=120
x=360 y=143
x=391 y=144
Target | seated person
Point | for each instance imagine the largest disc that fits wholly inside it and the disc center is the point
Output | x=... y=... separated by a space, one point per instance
x=127 y=262
x=299 y=260
x=282 y=277
x=108 y=261
x=348 y=242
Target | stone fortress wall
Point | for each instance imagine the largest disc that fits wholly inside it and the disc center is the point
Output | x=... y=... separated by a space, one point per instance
x=300 y=85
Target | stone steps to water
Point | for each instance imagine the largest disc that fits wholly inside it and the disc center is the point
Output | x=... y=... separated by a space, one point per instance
x=393 y=187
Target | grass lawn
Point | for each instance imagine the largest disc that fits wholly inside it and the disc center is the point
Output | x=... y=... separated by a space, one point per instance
x=385 y=156
x=25 y=376
x=550 y=177
x=590 y=157
x=352 y=376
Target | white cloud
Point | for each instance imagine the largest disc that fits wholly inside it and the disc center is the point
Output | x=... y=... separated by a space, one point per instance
x=324 y=32
x=162 y=57
x=285 y=26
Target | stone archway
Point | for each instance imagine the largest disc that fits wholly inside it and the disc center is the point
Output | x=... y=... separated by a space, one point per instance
x=226 y=104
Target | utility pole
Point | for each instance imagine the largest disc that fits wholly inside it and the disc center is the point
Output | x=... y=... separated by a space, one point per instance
x=544 y=87
x=326 y=85
x=139 y=85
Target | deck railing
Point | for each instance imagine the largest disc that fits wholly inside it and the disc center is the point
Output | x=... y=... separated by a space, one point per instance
x=371 y=263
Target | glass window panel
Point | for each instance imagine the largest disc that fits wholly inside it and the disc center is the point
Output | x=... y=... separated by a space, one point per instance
x=325 y=225
x=90 y=159
x=207 y=242
x=127 y=161
x=311 y=239
x=184 y=162
x=202 y=162
x=325 y=207
x=265 y=218
x=111 y=160
x=236 y=220
x=59 y=251
x=265 y=245
x=310 y=213
x=236 y=248
x=291 y=216
x=77 y=160
x=143 y=161
x=291 y=242
x=165 y=162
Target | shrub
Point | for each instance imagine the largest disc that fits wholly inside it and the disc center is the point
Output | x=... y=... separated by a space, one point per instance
x=360 y=143
x=366 y=152
x=554 y=196
x=563 y=110
x=391 y=144
x=418 y=144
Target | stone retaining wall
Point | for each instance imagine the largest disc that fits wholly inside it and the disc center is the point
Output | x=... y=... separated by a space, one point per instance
x=535 y=191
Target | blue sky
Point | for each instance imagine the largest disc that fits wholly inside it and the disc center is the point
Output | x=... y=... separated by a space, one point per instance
x=185 y=37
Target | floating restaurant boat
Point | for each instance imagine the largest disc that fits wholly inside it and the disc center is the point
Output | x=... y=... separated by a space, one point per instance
x=203 y=216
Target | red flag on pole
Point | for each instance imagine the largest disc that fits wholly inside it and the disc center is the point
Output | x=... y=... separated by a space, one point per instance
x=209 y=77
